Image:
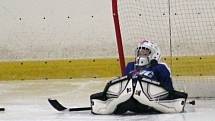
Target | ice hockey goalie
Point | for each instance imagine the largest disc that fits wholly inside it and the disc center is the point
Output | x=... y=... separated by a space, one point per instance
x=145 y=88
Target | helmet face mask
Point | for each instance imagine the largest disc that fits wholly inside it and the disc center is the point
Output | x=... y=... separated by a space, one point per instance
x=146 y=52
x=143 y=52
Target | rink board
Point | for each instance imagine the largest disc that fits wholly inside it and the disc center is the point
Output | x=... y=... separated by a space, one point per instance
x=97 y=68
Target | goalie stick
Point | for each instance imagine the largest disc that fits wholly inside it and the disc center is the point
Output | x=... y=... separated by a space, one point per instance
x=59 y=107
x=2 y=109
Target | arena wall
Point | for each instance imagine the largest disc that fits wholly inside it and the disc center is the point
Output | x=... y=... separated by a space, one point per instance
x=49 y=39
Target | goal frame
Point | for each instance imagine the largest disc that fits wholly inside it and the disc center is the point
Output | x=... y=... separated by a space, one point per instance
x=118 y=36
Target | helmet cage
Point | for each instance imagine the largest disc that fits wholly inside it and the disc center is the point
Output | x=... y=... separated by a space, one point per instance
x=154 y=51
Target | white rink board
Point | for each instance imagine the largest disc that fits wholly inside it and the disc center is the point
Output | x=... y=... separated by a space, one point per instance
x=47 y=29
x=27 y=101
x=50 y=29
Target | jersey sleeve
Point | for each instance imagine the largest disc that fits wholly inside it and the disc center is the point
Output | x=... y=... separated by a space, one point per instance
x=164 y=77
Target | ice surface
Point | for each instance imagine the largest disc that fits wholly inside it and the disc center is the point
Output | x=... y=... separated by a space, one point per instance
x=27 y=101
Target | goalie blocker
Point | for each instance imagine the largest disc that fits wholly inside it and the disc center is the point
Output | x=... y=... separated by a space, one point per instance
x=139 y=95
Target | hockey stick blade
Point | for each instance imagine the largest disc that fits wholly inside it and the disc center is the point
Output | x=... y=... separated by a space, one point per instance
x=60 y=107
x=54 y=103
x=2 y=109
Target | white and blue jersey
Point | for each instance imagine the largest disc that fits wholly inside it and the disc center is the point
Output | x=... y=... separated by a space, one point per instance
x=158 y=72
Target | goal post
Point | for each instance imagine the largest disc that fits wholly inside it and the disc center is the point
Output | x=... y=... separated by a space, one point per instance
x=185 y=32
x=118 y=36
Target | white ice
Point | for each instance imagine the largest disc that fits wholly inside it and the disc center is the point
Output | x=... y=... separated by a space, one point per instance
x=27 y=101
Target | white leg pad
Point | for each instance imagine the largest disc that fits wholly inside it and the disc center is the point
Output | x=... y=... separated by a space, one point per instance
x=109 y=106
x=145 y=97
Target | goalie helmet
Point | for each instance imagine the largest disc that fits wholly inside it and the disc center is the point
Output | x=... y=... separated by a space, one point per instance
x=146 y=52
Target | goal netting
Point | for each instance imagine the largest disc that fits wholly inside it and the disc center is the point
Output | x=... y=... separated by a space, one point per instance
x=185 y=32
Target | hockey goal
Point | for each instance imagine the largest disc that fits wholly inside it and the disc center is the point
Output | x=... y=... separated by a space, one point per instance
x=185 y=32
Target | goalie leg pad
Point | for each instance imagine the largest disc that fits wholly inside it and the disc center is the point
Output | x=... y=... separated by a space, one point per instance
x=109 y=106
x=152 y=96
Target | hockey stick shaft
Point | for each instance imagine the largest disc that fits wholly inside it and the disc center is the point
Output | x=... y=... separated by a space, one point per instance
x=80 y=109
x=59 y=107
